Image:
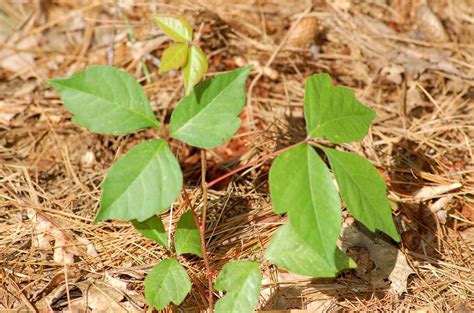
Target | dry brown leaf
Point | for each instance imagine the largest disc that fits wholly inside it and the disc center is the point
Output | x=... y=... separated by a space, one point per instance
x=429 y=192
x=19 y=59
x=66 y=244
x=303 y=33
x=383 y=261
x=429 y=26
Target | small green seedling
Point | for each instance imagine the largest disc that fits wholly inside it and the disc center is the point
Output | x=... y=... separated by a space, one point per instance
x=148 y=178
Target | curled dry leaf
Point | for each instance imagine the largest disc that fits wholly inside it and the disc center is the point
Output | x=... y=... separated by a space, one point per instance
x=66 y=244
x=20 y=59
x=303 y=33
x=439 y=208
x=429 y=192
x=429 y=25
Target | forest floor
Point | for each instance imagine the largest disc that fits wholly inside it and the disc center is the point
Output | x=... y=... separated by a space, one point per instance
x=413 y=64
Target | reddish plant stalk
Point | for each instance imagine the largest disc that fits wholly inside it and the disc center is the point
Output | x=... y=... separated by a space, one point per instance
x=202 y=229
x=252 y=163
x=210 y=297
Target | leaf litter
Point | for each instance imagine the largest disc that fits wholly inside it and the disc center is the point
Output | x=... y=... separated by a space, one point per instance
x=419 y=82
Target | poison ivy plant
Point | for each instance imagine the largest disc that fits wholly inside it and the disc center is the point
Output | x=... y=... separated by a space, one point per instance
x=167 y=282
x=242 y=281
x=187 y=239
x=153 y=229
x=208 y=116
x=309 y=197
x=287 y=250
x=334 y=112
x=302 y=187
x=106 y=100
x=185 y=54
x=147 y=180
x=174 y=57
x=143 y=182
x=363 y=191
x=177 y=28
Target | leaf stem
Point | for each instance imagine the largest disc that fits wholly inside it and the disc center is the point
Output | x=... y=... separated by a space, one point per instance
x=252 y=163
x=202 y=229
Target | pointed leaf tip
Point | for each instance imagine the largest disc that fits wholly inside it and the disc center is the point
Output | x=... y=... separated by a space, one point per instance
x=195 y=68
x=363 y=190
x=177 y=28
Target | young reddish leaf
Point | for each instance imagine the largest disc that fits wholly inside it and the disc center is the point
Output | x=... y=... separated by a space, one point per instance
x=141 y=183
x=106 y=100
x=174 y=57
x=334 y=112
x=208 y=116
x=167 y=282
x=177 y=29
x=301 y=184
x=242 y=281
x=363 y=190
x=195 y=68
x=153 y=229
x=287 y=250
x=187 y=239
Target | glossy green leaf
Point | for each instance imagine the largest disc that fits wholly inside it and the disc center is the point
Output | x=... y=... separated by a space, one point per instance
x=106 y=100
x=333 y=112
x=141 y=183
x=287 y=250
x=177 y=29
x=174 y=57
x=153 y=229
x=208 y=116
x=300 y=184
x=167 y=282
x=242 y=281
x=195 y=68
x=187 y=239
x=363 y=190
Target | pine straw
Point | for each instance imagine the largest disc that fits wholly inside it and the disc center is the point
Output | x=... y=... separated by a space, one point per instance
x=422 y=136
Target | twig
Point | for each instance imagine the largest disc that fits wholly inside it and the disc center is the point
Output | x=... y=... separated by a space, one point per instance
x=202 y=229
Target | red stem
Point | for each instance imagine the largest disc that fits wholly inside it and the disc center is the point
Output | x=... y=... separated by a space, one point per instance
x=252 y=163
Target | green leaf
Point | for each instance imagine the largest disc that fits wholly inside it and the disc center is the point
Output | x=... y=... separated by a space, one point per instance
x=208 y=116
x=187 y=239
x=334 y=112
x=242 y=281
x=153 y=229
x=301 y=184
x=106 y=100
x=287 y=250
x=141 y=183
x=177 y=29
x=174 y=57
x=195 y=68
x=363 y=190
x=167 y=282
